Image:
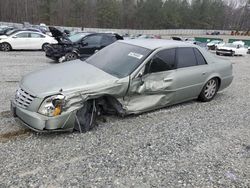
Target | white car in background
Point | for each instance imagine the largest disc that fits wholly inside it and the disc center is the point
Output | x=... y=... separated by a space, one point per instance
x=212 y=45
x=25 y=40
x=232 y=49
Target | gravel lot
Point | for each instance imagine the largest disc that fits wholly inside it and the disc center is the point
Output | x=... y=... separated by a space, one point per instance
x=188 y=145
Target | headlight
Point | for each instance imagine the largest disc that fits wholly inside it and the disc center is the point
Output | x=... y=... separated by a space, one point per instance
x=52 y=106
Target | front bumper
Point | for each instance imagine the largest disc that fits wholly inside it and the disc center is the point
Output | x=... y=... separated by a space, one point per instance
x=53 y=53
x=40 y=123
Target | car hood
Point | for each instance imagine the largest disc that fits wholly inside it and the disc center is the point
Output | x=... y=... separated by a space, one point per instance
x=59 y=36
x=67 y=77
x=3 y=37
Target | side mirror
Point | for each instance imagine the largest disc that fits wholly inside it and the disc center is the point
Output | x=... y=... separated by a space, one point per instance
x=96 y=51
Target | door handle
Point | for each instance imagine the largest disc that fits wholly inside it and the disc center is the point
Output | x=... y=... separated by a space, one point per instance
x=168 y=79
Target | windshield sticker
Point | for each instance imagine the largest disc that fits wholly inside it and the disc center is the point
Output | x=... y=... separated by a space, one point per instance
x=136 y=55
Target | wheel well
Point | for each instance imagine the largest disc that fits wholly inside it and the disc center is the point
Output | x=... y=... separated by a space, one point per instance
x=46 y=43
x=109 y=105
x=75 y=52
x=6 y=43
x=87 y=115
x=219 y=81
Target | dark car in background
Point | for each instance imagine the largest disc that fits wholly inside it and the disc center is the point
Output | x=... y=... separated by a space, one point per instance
x=81 y=45
x=5 y=30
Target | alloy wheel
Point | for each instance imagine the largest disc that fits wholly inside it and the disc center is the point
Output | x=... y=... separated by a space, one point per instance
x=210 y=89
x=71 y=56
x=6 y=47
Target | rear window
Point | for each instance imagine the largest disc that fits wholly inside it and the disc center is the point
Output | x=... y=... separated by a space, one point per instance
x=199 y=57
x=185 y=57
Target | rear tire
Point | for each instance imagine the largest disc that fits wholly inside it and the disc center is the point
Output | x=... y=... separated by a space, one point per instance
x=6 y=47
x=209 y=90
x=71 y=56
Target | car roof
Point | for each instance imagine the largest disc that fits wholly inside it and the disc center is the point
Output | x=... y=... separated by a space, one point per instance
x=24 y=31
x=153 y=44
x=117 y=36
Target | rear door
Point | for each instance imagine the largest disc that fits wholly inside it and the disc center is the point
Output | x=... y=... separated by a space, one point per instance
x=36 y=41
x=191 y=74
x=89 y=45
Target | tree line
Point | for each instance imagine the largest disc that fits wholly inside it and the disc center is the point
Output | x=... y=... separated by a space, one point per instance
x=131 y=14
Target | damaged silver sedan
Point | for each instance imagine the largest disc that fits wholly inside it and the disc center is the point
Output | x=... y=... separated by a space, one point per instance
x=127 y=77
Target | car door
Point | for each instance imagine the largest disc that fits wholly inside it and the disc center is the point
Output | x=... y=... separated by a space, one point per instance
x=20 y=41
x=191 y=73
x=153 y=87
x=89 y=45
x=36 y=41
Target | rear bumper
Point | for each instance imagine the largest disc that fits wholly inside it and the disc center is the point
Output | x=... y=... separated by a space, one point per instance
x=225 y=82
x=40 y=123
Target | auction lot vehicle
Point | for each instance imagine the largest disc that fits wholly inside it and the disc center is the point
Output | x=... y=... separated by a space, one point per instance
x=5 y=29
x=81 y=45
x=127 y=77
x=215 y=44
x=25 y=40
x=235 y=48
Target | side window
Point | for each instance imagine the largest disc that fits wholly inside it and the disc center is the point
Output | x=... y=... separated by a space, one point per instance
x=185 y=57
x=199 y=57
x=162 y=61
x=22 y=35
x=107 y=40
x=36 y=35
x=93 y=40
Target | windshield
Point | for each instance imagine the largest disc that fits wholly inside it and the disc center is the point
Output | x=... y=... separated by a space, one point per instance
x=215 y=41
x=231 y=45
x=119 y=59
x=77 y=37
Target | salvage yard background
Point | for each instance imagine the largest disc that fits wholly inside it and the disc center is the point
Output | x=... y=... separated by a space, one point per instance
x=192 y=144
